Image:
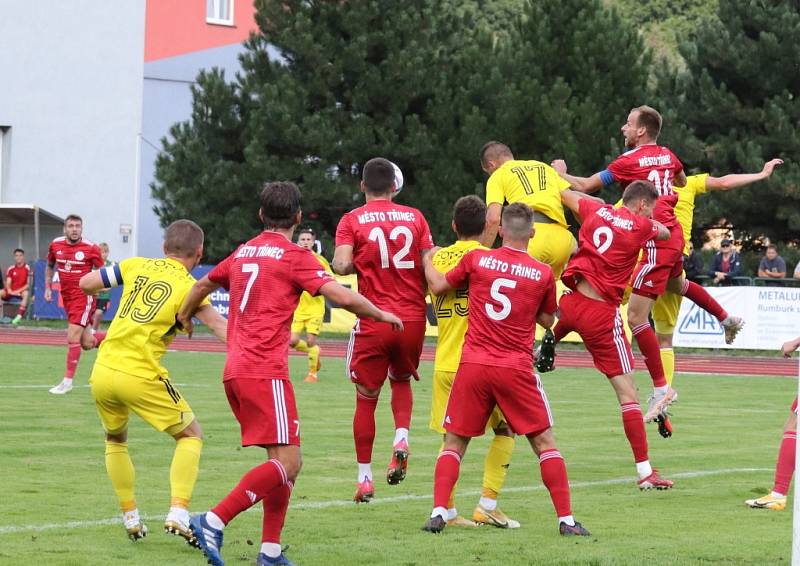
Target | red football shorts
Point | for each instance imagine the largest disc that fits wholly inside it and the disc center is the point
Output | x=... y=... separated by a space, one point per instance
x=6 y=295
x=660 y=262
x=476 y=390
x=266 y=411
x=79 y=307
x=375 y=351
x=600 y=326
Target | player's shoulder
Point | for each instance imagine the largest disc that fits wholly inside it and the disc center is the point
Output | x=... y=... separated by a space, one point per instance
x=58 y=241
x=695 y=184
x=449 y=256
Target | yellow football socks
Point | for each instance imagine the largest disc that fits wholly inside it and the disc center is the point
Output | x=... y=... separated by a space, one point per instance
x=121 y=473
x=313 y=359
x=184 y=468
x=668 y=361
x=496 y=464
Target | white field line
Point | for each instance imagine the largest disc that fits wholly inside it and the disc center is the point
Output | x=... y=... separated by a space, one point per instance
x=14 y=529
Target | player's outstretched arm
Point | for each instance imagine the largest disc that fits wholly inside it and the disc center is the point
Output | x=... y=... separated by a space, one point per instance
x=209 y=316
x=343 y=259
x=91 y=283
x=790 y=346
x=358 y=304
x=583 y=184
x=728 y=182
x=199 y=291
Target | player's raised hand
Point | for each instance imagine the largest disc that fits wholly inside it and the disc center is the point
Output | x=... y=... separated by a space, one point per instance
x=186 y=323
x=789 y=347
x=396 y=323
x=770 y=165
x=559 y=165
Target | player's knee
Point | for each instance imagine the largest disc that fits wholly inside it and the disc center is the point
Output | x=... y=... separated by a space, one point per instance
x=503 y=430
x=120 y=437
x=664 y=340
x=292 y=466
x=542 y=441
x=311 y=340
x=374 y=393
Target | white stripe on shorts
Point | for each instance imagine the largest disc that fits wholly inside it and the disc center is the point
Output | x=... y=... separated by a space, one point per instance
x=650 y=250
x=86 y=313
x=281 y=421
x=350 y=345
x=619 y=342
x=544 y=398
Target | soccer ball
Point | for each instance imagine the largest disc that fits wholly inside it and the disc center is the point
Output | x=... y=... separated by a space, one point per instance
x=398 y=179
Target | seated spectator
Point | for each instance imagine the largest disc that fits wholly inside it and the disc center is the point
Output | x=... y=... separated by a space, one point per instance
x=15 y=286
x=772 y=265
x=693 y=264
x=726 y=265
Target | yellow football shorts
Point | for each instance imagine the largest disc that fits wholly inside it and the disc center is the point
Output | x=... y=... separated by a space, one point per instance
x=156 y=401
x=442 y=383
x=311 y=325
x=552 y=244
x=665 y=312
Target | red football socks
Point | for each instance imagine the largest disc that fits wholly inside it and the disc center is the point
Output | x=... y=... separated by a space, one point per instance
x=275 y=506
x=699 y=296
x=445 y=477
x=364 y=427
x=554 y=477
x=634 y=429
x=785 y=466
x=73 y=355
x=402 y=403
x=648 y=346
x=253 y=487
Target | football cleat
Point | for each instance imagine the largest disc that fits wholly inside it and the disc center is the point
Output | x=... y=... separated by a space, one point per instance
x=209 y=539
x=264 y=560
x=15 y=321
x=732 y=325
x=396 y=472
x=62 y=388
x=654 y=481
x=546 y=353
x=657 y=404
x=495 y=518
x=311 y=377
x=767 y=502
x=664 y=425
x=434 y=525
x=459 y=521
x=133 y=524
x=179 y=526
x=364 y=492
x=575 y=530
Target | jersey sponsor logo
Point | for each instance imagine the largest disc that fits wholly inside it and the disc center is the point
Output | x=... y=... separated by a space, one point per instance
x=79 y=256
x=699 y=322
x=275 y=252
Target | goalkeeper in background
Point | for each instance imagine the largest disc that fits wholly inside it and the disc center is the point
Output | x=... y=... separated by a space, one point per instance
x=309 y=314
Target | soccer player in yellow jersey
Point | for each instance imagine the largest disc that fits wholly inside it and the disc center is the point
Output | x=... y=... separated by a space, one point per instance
x=539 y=186
x=128 y=375
x=666 y=308
x=309 y=313
x=469 y=219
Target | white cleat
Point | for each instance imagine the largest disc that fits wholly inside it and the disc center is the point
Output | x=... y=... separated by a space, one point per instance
x=177 y=523
x=658 y=404
x=133 y=525
x=732 y=325
x=62 y=388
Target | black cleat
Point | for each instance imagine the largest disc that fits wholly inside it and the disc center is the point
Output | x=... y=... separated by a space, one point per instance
x=664 y=425
x=575 y=530
x=434 y=525
x=546 y=356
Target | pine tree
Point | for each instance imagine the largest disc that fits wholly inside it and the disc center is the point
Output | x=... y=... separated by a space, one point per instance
x=738 y=101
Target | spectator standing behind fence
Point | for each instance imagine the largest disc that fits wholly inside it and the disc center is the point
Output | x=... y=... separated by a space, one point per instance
x=693 y=264
x=727 y=264
x=15 y=284
x=772 y=265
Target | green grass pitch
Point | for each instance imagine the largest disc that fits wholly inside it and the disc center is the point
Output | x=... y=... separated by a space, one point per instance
x=57 y=506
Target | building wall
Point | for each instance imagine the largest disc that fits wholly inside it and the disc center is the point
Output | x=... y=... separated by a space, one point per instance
x=71 y=96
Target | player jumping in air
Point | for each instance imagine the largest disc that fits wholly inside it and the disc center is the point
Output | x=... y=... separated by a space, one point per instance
x=265 y=278
x=661 y=264
x=509 y=292
x=128 y=375
x=383 y=243
x=73 y=257
x=309 y=314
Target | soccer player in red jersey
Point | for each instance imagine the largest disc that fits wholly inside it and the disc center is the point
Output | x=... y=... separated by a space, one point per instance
x=610 y=240
x=73 y=256
x=661 y=265
x=509 y=292
x=384 y=244
x=265 y=278
x=16 y=284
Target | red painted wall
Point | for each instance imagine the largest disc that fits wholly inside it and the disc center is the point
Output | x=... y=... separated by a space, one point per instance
x=177 y=27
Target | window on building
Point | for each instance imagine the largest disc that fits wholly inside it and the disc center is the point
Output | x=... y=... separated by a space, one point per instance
x=219 y=12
